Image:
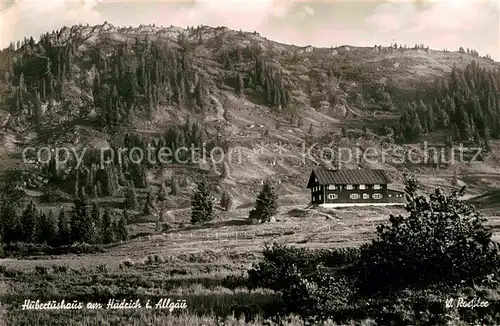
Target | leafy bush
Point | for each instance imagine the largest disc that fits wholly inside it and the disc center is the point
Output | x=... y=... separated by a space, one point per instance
x=234 y=281
x=276 y=271
x=280 y=261
x=42 y=270
x=318 y=295
x=102 y=268
x=126 y=264
x=59 y=269
x=402 y=277
x=313 y=283
x=442 y=243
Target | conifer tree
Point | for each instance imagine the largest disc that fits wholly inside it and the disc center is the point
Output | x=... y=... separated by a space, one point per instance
x=37 y=114
x=52 y=169
x=417 y=129
x=477 y=137
x=107 y=227
x=266 y=204
x=110 y=182
x=226 y=201
x=202 y=204
x=138 y=176
x=223 y=198
x=95 y=221
x=125 y=215
x=431 y=119
x=311 y=129
x=224 y=170
x=148 y=204
x=1 y=245
x=162 y=192
x=130 y=200
x=120 y=227
x=46 y=230
x=174 y=186
x=11 y=223
x=486 y=138
x=79 y=218
x=90 y=231
x=63 y=229
x=95 y=193
x=240 y=84
x=76 y=193
x=28 y=223
x=226 y=115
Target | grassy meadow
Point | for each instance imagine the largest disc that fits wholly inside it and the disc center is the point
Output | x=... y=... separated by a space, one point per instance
x=200 y=265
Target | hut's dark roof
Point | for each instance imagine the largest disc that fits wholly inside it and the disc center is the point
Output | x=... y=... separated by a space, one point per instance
x=349 y=176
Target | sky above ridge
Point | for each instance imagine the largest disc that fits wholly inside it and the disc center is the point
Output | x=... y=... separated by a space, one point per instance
x=445 y=24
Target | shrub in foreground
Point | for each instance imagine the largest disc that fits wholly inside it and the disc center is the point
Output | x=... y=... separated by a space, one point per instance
x=404 y=276
x=442 y=243
x=276 y=270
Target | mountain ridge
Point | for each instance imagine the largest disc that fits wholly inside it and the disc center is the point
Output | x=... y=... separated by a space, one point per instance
x=240 y=86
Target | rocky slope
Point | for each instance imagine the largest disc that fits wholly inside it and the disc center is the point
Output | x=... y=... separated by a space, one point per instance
x=335 y=97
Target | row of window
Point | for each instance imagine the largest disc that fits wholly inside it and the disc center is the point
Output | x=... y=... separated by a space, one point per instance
x=348 y=187
x=365 y=196
x=354 y=196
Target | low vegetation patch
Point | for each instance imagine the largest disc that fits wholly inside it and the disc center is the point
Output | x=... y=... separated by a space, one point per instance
x=406 y=275
x=21 y=249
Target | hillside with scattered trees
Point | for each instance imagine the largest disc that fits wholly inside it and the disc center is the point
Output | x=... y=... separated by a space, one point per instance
x=243 y=120
x=466 y=105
